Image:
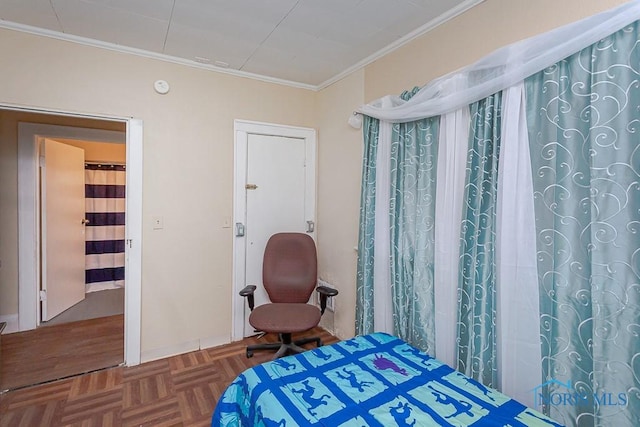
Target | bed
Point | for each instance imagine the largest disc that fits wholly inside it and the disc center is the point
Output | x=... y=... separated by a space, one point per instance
x=370 y=380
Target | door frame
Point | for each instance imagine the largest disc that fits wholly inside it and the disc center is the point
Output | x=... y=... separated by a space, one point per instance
x=242 y=129
x=29 y=227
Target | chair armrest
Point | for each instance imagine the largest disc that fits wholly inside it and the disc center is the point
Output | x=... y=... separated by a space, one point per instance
x=325 y=292
x=247 y=292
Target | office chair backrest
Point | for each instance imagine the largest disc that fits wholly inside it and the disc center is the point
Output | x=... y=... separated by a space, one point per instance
x=290 y=267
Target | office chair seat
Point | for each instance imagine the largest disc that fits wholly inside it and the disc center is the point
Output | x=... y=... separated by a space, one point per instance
x=276 y=317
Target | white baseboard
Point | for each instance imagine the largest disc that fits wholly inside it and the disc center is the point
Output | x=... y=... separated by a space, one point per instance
x=161 y=353
x=104 y=286
x=12 y=323
x=214 y=341
x=185 y=347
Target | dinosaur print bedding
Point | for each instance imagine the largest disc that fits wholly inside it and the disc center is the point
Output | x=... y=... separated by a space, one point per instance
x=371 y=380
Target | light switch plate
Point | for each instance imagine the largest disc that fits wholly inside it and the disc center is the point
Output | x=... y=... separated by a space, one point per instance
x=158 y=223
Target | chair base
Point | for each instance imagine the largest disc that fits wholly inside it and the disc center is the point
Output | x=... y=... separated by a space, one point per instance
x=285 y=347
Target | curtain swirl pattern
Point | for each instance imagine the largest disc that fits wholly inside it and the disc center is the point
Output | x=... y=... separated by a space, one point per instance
x=364 y=278
x=584 y=128
x=548 y=307
x=414 y=153
x=477 y=282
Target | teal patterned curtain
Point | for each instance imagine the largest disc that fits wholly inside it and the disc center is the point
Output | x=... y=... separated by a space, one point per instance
x=414 y=153
x=476 y=352
x=584 y=128
x=364 y=278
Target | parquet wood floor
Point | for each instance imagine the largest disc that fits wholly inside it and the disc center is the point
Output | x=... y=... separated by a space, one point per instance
x=176 y=391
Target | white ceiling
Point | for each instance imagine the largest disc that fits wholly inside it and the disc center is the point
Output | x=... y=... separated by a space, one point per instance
x=306 y=43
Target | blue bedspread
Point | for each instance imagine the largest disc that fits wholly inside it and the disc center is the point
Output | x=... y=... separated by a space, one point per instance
x=372 y=380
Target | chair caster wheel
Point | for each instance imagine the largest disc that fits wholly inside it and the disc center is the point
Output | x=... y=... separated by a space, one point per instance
x=249 y=354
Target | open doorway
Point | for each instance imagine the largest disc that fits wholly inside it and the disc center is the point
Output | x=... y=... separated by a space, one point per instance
x=123 y=310
x=82 y=208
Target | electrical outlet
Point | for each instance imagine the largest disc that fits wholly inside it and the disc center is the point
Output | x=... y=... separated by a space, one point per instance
x=158 y=223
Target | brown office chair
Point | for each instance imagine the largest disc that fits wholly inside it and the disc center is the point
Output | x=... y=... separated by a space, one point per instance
x=289 y=275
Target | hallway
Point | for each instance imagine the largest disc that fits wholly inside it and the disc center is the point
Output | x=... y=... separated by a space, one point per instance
x=58 y=351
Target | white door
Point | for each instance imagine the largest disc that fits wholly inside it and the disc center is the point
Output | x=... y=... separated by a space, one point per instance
x=279 y=196
x=63 y=242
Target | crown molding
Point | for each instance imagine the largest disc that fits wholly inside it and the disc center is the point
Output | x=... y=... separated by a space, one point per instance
x=447 y=16
x=450 y=14
x=148 y=54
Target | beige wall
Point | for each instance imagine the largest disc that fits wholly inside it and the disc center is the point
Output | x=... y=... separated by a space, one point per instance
x=188 y=164
x=339 y=172
x=99 y=151
x=188 y=149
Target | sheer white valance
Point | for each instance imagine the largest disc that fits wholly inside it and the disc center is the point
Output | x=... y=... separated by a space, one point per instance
x=502 y=69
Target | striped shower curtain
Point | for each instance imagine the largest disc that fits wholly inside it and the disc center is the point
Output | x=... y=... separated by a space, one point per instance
x=105 y=230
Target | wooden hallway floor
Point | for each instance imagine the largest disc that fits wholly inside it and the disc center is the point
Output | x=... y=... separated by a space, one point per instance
x=58 y=351
x=177 y=391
